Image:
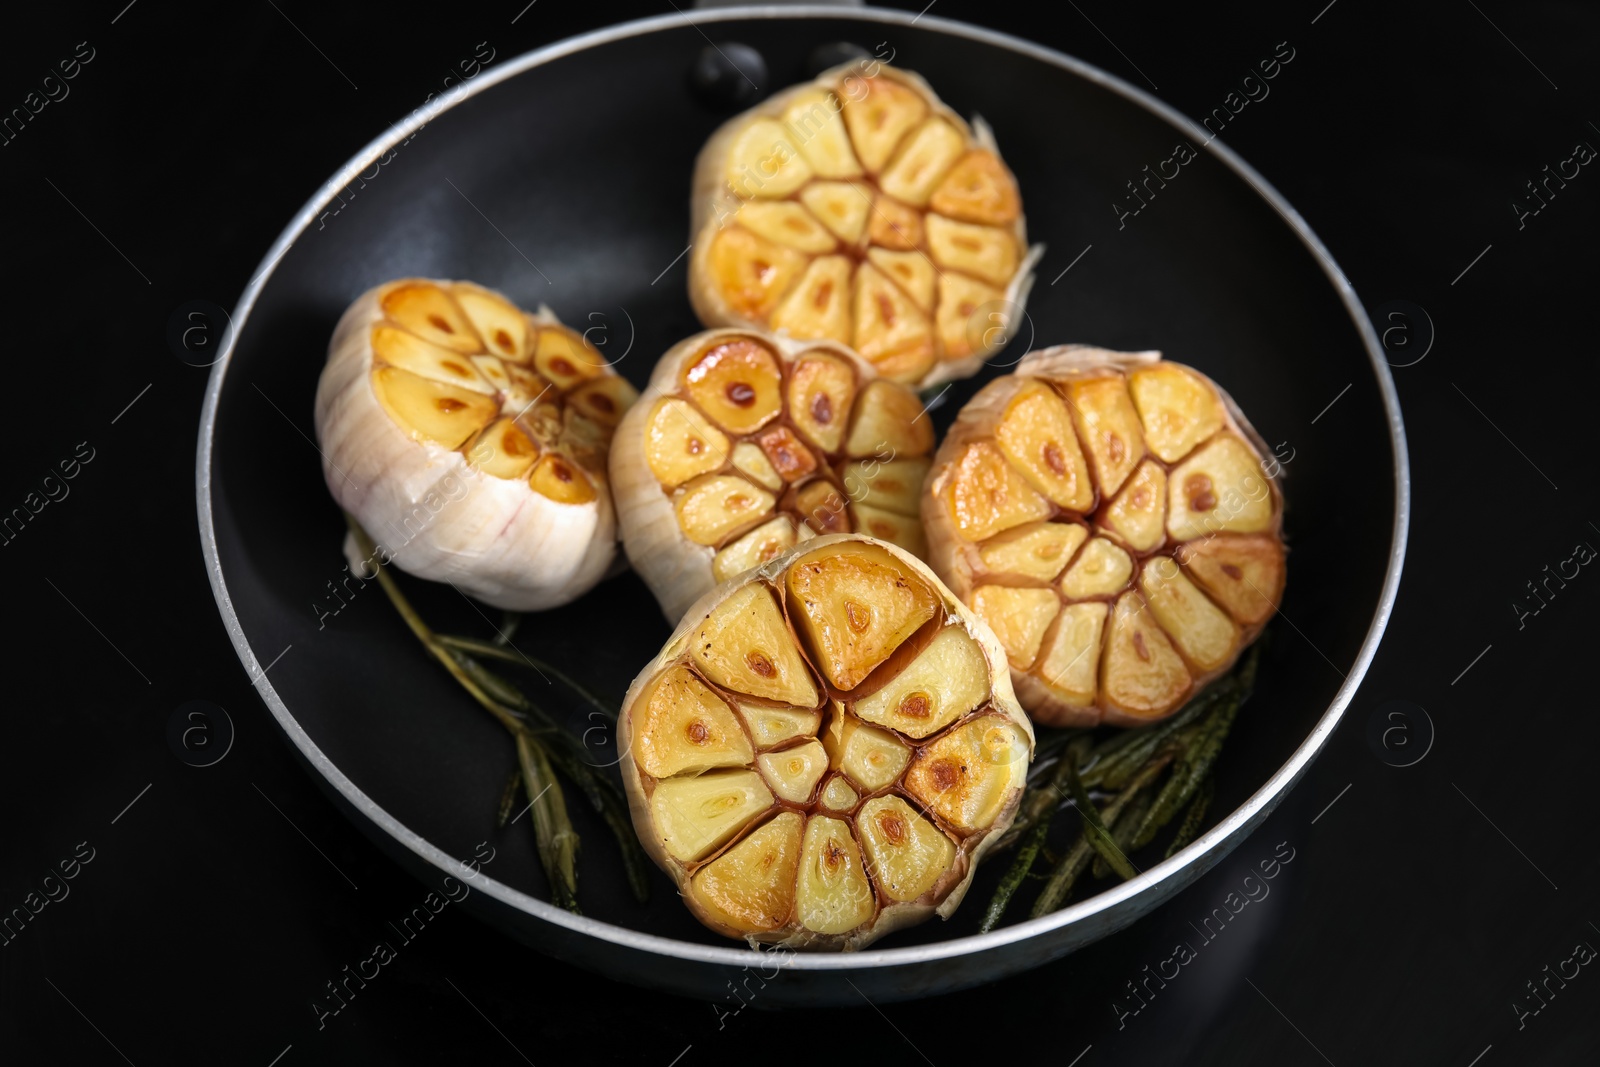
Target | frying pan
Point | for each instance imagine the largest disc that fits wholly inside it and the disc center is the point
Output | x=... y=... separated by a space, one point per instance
x=562 y=177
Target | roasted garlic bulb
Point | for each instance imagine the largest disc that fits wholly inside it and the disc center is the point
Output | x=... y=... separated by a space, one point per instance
x=745 y=443
x=1111 y=516
x=469 y=438
x=825 y=748
x=862 y=210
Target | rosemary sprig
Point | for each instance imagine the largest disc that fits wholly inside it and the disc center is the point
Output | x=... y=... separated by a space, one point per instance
x=1119 y=759
x=1016 y=873
x=543 y=747
x=1032 y=825
x=1094 y=827
x=558 y=841
x=1194 y=764
x=1122 y=832
x=516 y=657
x=1189 y=828
x=508 y=798
x=1059 y=886
x=1132 y=810
x=509 y=621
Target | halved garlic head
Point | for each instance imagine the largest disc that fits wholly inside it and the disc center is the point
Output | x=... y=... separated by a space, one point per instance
x=469 y=438
x=861 y=209
x=745 y=444
x=825 y=748
x=1112 y=517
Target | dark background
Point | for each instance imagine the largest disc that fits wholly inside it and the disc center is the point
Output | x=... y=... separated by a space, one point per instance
x=1418 y=904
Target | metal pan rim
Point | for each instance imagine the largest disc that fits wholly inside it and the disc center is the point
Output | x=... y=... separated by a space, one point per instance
x=1157 y=882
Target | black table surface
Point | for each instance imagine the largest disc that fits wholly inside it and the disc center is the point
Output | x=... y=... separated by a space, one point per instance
x=1435 y=912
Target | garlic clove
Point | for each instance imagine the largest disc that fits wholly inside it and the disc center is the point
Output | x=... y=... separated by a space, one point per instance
x=1137 y=515
x=870 y=757
x=1101 y=569
x=431 y=410
x=752 y=885
x=821 y=390
x=745 y=647
x=1036 y=435
x=754 y=548
x=751 y=272
x=697 y=815
x=687 y=728
x=893 y=486
x=793 y=773
x=889 y=423
x=878 y=113
x=499 y=323
x=1219 y=489
x=503 y=450
x=943 y=683
x=907 y=852
x=682 y=443
x=714 y=507
x=426 y=311
x=786 y=223
x=987 y=495
x=833 y=895
x=1019 y=616
x=409 y=352
x=819 y=304
x=818 y=130
x=978 y=189
x=854 y=606
x=967 y=776
x=736 y=383
x=1243 y=574
x=763 y=162
x=1038 y=550
x=841 y=206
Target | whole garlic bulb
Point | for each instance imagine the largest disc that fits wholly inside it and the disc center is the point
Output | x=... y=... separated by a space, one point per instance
x=1112 y=516
x=825 y=748
x=744 y=443
x=469 y=438
x=858 y=208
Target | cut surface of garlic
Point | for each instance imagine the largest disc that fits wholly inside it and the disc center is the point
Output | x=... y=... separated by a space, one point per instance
x=1112 y=516
x=745 y=444
x=825 y=748
x=858 y=208
x=469 y=438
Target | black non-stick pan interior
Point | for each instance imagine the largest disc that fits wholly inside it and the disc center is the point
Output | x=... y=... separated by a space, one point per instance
x=568 y=185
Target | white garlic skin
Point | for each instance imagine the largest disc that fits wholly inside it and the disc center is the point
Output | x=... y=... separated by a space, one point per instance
x=438 y=517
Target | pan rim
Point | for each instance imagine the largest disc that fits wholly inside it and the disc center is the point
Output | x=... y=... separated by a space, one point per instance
x=1256 y=807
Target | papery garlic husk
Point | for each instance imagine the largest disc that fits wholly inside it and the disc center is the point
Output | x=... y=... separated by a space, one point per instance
x=745 y=443
x=469 y=439
x=825 y=748
x=858 y=208
x=1116 y=520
